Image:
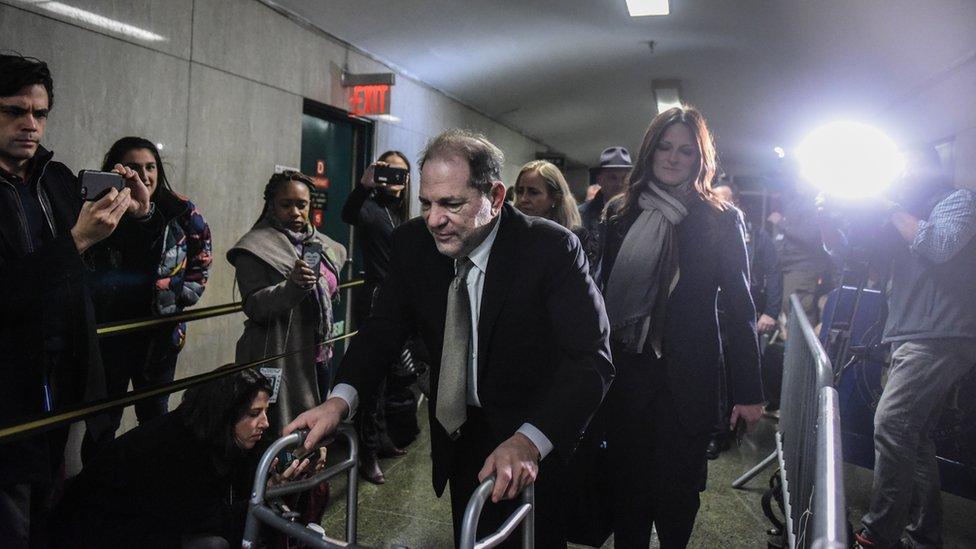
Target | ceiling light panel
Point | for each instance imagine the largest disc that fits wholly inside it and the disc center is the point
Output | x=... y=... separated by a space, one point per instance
x=642 y=8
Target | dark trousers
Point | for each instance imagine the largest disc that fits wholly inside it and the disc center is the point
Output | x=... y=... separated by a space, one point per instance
x=132 y=357
x=657 y=468
x=472 y=448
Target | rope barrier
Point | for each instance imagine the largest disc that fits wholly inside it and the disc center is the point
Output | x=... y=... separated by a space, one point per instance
x=128 y=326
x=87 y=410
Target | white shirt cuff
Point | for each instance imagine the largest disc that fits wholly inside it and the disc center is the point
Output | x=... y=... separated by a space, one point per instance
x=540 y=440
x=349 y=394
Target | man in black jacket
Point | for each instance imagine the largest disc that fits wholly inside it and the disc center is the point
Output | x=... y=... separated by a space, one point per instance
x=48 y=351
x=516 y=329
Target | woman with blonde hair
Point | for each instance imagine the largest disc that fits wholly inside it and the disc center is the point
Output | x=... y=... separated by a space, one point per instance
x=541 y=190
x=671 y=244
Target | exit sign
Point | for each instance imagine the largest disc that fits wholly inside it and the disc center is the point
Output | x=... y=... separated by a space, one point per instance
x=368 y=94
x=371 y=99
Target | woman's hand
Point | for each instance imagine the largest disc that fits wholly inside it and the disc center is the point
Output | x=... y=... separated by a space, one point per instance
x=139 y=205
x=302 y=276
x=367 y=179
x=293 y=472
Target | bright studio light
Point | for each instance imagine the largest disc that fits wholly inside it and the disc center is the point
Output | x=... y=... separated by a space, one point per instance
x=849 y=159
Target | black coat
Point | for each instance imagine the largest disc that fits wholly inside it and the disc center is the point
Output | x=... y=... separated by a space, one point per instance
x=711 y=255
x=46 y=319
x=151 y=487
x=543 y=357
x=374 y=217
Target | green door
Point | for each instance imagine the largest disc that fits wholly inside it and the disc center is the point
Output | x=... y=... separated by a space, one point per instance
x=335 y=151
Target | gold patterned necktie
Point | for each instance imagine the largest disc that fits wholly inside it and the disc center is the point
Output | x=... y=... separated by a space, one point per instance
x=452 y=385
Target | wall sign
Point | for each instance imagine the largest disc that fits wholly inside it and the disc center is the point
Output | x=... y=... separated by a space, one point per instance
x=369 y=100
x=368 y=94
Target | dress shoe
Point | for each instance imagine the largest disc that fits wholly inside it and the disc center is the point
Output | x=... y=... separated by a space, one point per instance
x=713 y=450
x=716 y=445
x=369 y=469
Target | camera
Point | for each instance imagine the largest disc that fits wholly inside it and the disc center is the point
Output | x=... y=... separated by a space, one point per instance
x=389 y=175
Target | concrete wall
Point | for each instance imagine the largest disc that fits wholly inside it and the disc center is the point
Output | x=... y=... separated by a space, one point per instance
x=222 y=91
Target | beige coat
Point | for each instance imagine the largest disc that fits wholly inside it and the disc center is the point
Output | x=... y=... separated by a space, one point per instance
x=281 y=316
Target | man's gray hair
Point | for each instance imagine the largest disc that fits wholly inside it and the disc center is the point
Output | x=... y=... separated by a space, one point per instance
x=484 y=158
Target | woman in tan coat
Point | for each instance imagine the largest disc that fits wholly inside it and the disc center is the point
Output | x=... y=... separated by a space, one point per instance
x=288 y=302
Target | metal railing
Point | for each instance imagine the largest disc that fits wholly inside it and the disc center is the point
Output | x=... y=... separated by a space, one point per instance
x=259 y=512
x=808 y=447
x=524 y=514
x=85 y=410
x=136 y=325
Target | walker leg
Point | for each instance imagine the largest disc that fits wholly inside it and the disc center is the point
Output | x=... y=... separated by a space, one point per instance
x=741 y=481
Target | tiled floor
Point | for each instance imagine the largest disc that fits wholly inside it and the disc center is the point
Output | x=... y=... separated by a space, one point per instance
x=405 y=511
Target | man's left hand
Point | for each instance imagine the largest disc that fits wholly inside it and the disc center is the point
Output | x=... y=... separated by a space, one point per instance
x=752 y=413
x=515 y=464
x=139 y=199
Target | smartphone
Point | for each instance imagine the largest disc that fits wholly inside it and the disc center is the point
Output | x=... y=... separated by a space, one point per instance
x=287 y=457
x=95 y=184
x=312 y=255
x=388 y=175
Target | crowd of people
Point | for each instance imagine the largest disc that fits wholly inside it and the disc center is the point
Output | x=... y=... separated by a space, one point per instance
x=523 y=322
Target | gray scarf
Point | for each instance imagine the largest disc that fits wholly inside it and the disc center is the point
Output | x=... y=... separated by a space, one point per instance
x=645 y=272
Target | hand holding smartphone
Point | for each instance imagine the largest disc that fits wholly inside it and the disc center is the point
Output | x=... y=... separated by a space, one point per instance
x=312 y=256
x=96 y=184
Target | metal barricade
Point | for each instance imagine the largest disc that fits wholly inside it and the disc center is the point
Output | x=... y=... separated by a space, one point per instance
x=260 y=513
x=808 y=447
x=525 y=514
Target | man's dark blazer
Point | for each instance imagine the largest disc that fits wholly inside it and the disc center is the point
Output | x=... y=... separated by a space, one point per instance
x=543 y=347
x=711 y=255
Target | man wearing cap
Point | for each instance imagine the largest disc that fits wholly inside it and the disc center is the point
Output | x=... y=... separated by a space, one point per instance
x=611 y=178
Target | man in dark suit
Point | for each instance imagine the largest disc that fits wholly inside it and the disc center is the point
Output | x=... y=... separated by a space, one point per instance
x=516 y=329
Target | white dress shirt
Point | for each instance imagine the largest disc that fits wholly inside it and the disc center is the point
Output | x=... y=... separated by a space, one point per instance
x=475 y=284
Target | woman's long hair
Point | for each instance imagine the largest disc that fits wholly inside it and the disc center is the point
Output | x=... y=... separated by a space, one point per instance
x=643 y=171
x=210 y=411
x=126 y=144
x=565 y=210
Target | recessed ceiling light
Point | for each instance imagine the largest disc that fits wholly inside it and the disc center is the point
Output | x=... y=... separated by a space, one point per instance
x=641 y=8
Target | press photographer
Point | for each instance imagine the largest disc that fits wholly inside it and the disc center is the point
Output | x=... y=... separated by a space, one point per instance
x=924 y=228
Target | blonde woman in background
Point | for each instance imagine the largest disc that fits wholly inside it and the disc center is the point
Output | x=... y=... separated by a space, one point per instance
x=541 y=190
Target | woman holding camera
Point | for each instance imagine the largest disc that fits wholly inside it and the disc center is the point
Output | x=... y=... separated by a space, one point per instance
x=288 y=275
x=181 y=480
x=153 y=266
x=374 y=208
x=671 y=244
